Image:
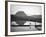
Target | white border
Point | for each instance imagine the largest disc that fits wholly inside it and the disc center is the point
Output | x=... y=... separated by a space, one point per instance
x=26 y=32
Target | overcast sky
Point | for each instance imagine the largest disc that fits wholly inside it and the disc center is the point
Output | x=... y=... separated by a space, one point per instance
x=28 y=10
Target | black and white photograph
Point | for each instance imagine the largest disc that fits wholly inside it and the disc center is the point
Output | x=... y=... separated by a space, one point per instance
x=25 y=18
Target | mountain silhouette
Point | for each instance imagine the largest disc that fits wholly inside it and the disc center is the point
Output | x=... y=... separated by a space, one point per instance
x=20 y=17
x=20 y=14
